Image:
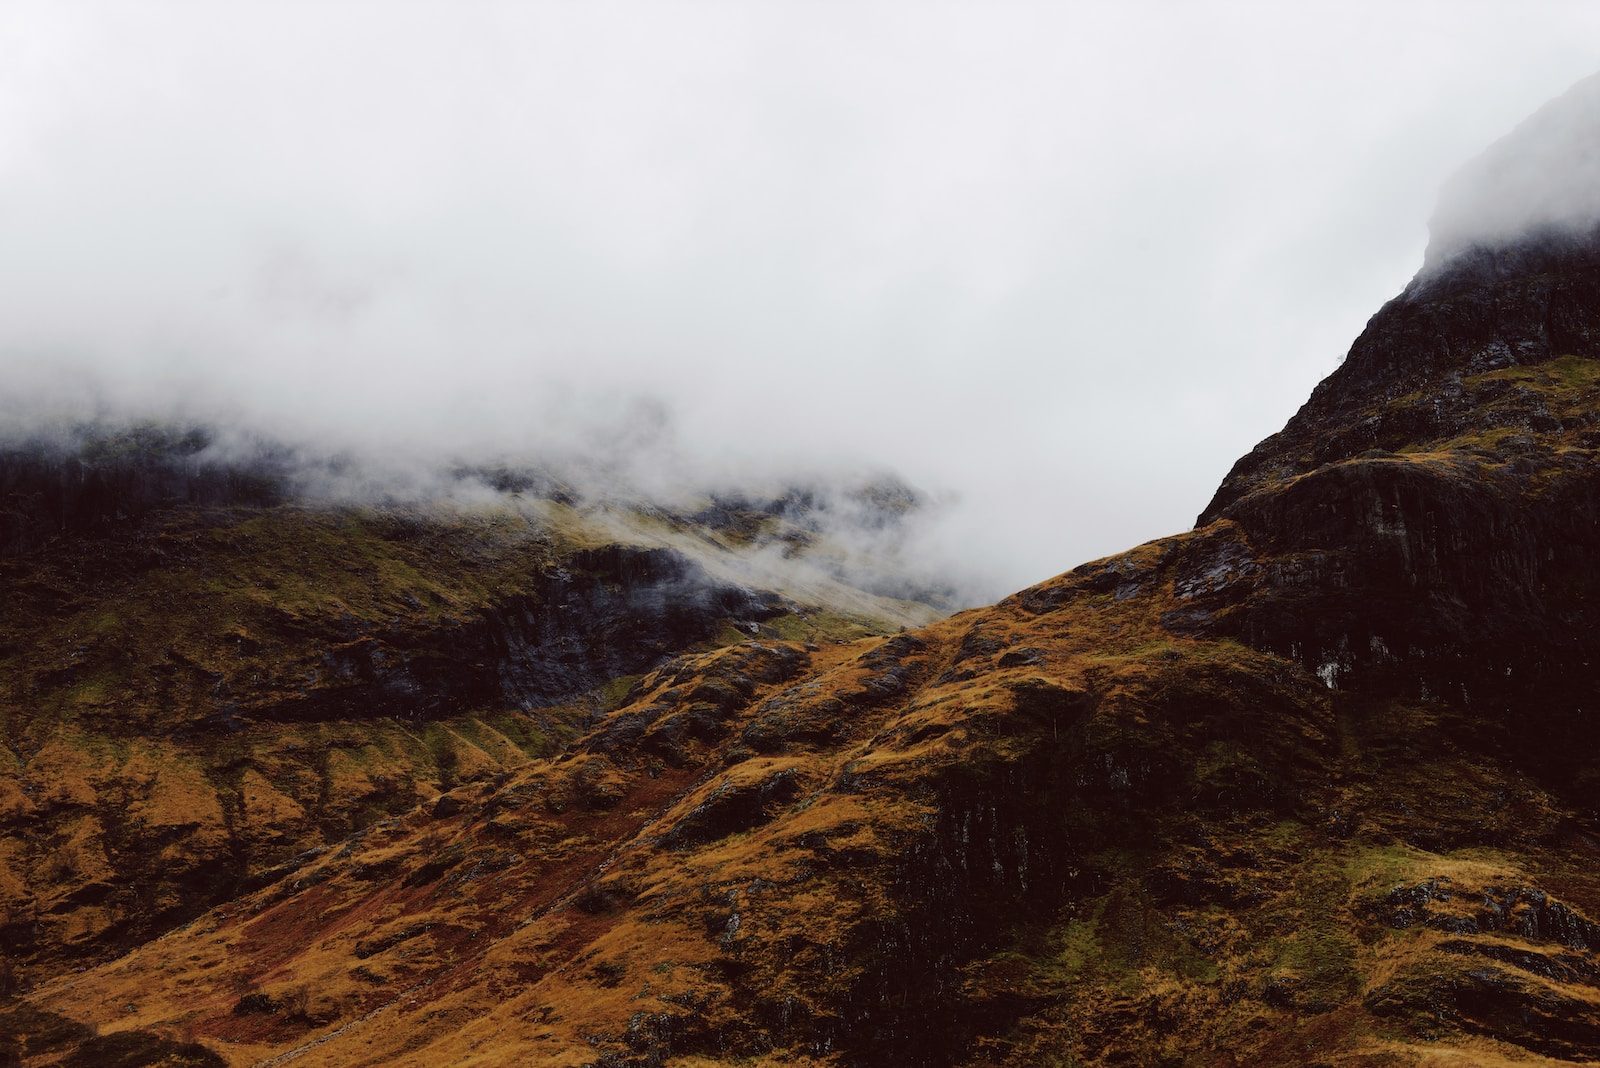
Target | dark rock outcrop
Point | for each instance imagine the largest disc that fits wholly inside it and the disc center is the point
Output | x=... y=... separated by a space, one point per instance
x=604 y=613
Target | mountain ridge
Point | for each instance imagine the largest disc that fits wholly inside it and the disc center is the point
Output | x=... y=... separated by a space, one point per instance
x=1312 y=783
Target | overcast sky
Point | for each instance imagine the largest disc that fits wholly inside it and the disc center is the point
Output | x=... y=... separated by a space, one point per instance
x=1067 y=261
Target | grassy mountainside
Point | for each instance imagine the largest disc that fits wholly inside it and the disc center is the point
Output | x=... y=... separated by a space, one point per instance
x=1313 y=783
x=194 y=694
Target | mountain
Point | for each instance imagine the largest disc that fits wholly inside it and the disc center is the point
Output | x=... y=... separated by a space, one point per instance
x=1313 y=783
x=207 y=676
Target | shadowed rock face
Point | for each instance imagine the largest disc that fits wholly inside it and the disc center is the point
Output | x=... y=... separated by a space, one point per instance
x=603 y=613
x=1400 y=385
x=1432 y=508
x=94 y=482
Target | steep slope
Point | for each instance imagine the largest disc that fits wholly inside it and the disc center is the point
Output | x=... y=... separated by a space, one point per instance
x=202 y=680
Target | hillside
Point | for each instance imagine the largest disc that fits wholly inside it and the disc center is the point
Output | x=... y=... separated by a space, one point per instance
x=205 y=681
x=1312 y=783
x=544 y=780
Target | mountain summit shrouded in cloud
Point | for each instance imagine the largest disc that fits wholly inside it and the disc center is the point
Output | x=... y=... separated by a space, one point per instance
x=1542 y=180
x=1057 y=263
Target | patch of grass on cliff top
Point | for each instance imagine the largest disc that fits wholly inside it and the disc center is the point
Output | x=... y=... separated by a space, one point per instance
x=824 y=626
x=1572 y=372
x=372 y=564
x=1568 y=385
x=1489 y=439
x=1377 y=868
x=819 y=625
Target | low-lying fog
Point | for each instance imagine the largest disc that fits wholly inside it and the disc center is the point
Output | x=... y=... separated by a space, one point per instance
x=1055 y=265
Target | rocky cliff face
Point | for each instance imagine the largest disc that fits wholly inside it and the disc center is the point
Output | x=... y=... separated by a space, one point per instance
x=1313 y=783
x=1433 y=504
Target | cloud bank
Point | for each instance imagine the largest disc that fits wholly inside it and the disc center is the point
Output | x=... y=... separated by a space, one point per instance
x=1056 y=264
x=1542 y=177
